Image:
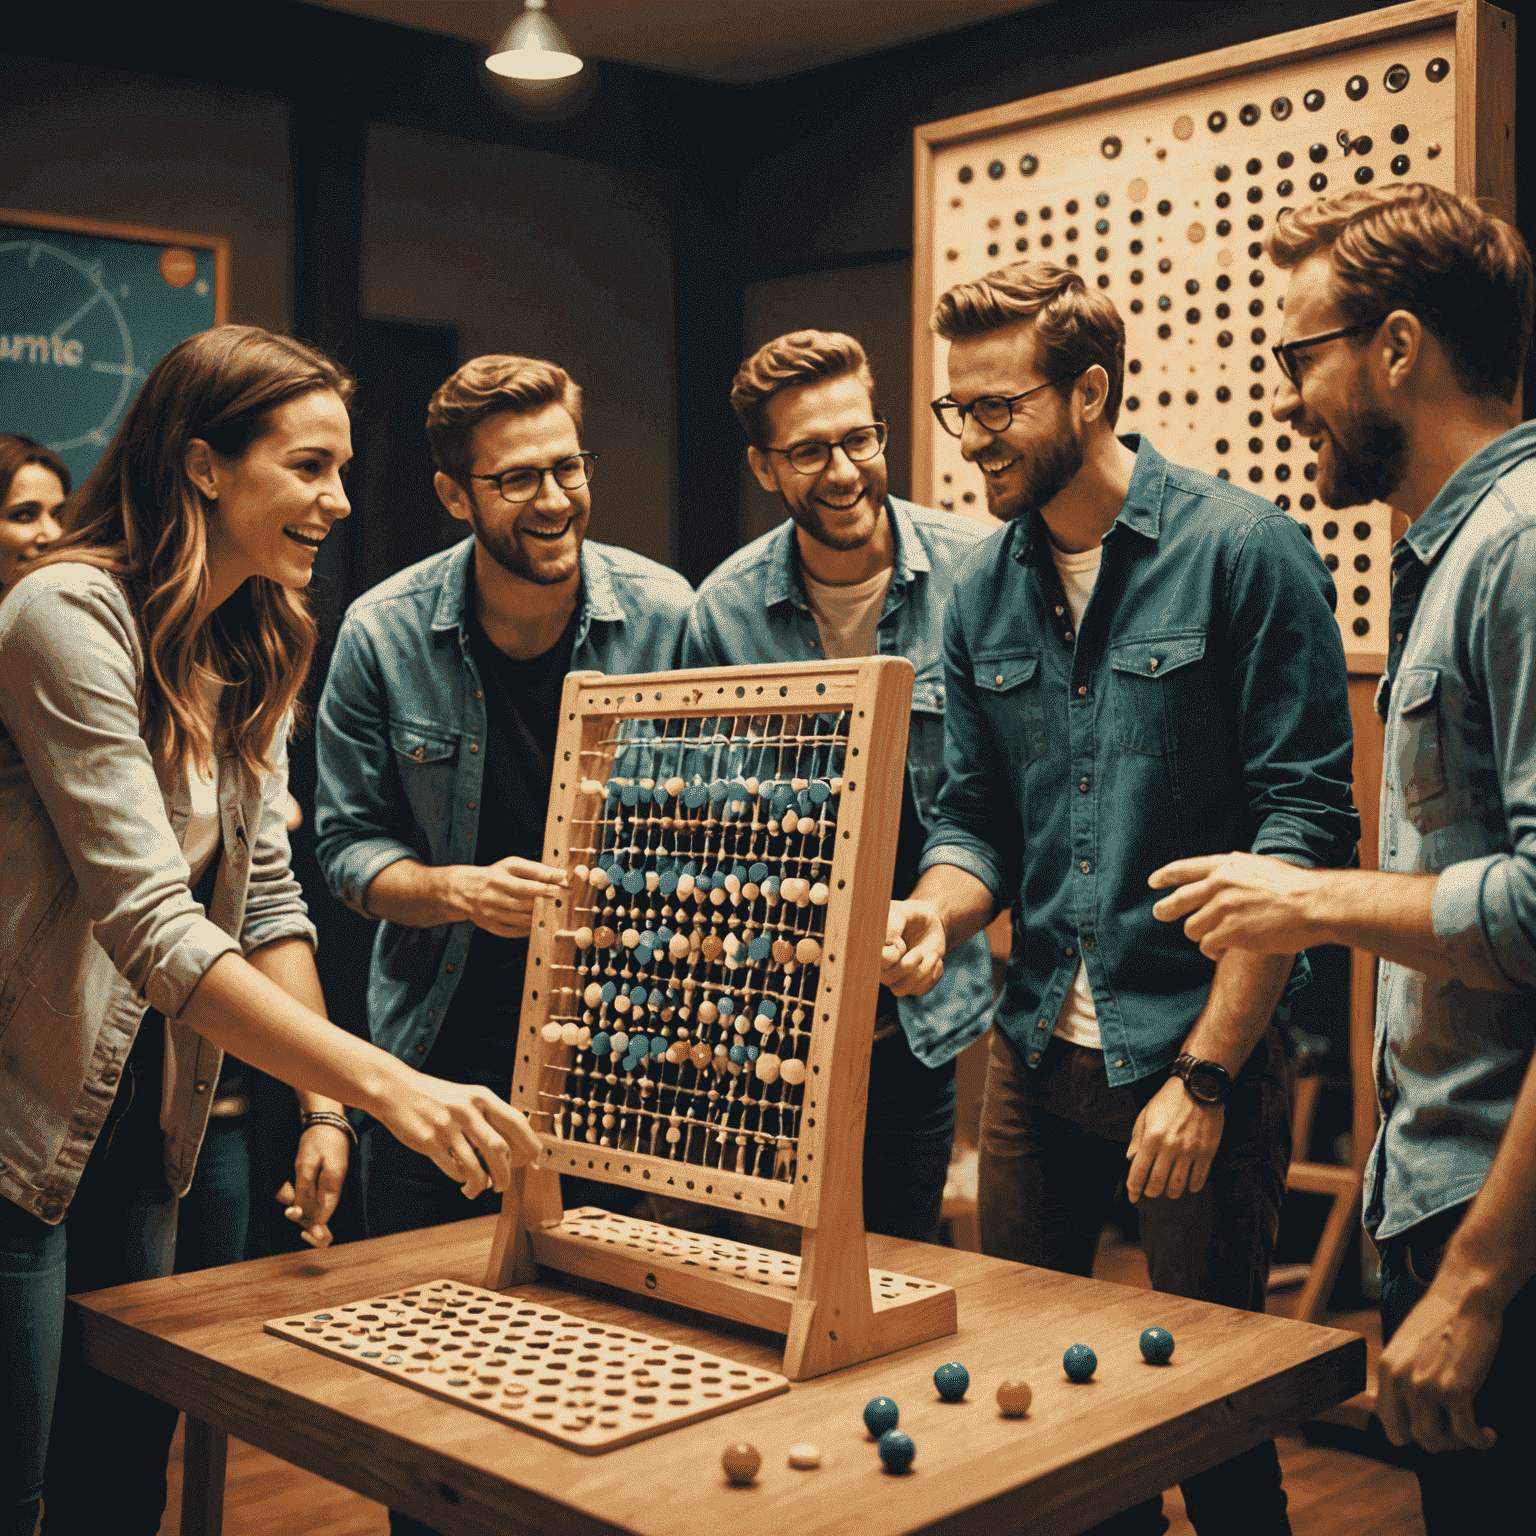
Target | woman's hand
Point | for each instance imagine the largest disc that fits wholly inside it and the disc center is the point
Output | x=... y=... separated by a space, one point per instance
x=473 y=1136
x=319 y=1171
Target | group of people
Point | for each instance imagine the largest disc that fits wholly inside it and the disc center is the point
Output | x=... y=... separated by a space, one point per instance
x=1135 y=685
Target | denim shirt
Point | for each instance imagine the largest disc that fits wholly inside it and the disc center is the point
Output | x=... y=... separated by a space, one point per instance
x=753 y=609
x=1203 y=708
x=1458 y=799
x=96 y=918
x=398 y=736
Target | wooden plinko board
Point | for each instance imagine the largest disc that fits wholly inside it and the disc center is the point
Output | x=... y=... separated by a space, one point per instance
x=583 y=1385
x=1160 y=188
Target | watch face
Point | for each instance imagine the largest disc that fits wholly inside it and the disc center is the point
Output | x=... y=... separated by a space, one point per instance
x=1207 y=1082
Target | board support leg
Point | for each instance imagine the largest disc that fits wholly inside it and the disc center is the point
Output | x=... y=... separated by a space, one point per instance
x=532 y=1200
x=832 y=1322
x=202 y=1478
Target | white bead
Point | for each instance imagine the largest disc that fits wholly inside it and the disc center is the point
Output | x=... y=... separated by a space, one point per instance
x=570 y=1034
x=767 y=1067
x=551 y=1032
x=684 y=886
x=593 y=996
x=621 y=1003
x=793 y=1070
x=618 y=1039
x=582 y=938
x=677 y=945
x=675 y=786
x=790 y=819
x=591 y=787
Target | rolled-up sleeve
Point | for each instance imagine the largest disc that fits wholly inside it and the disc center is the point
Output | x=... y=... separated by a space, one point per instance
x=975 y=821
x=1485 y=908
x=1290 y=686
x=69 y=698
x=358 y=827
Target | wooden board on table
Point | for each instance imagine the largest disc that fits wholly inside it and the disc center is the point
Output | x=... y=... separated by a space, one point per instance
x=582 y=1384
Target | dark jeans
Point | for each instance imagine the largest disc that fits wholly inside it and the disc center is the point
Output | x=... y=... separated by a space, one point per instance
x=95 y=1447
x=1468 y=1490
x=215 y=1214
x=1053 y=1143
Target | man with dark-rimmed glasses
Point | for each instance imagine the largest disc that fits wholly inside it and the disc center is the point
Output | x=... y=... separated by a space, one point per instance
x=1145 y=659
x=854 y=571
x=436 y=734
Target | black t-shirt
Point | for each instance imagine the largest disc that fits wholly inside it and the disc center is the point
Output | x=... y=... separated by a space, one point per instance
x=478 y=1038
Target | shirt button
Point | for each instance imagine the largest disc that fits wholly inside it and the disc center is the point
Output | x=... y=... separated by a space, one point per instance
x=1083 y=786
x=431 y=1013
x=1067 y=636
x=478 y=694
x=811 y=643
x=1067 y=953
x=471 y=805
x=1034 y=1056
x=1042 y=1025
x=474 y=747
x=999 y=679
x=1398 y=638
x=1090 y=943
x=421 y=1049
x=450 y=967
x=1119 y=1063
x=1084 y=866
x=200 y=1088
x=1059 y=610
x=1082 y=691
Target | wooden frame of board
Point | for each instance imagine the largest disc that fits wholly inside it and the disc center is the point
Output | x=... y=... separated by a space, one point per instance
x=1484 y=166
x=145 y=234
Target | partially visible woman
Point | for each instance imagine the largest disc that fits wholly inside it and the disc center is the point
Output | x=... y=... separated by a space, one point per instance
x=151 y=663
x=34 y=481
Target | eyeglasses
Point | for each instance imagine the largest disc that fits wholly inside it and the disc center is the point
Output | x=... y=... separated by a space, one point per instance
x=994 y=412
x=860 y=445
x=524 y=483
x=1285 y=352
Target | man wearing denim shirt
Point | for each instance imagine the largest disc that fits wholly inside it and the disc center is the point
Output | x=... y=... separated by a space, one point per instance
x=437 y=725
x=1145 y=661
x=1406 y=322
x=855 y=572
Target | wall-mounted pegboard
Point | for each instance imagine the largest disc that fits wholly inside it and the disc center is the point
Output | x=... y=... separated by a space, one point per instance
x=1160 y=187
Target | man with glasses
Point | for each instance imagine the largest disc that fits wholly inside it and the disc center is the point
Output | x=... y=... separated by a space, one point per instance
x=436 y=736
x=1144 y=664
x=854 y=571
x=1409 y=315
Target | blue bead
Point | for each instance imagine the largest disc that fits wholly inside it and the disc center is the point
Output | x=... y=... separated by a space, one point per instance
x=759 y=949
x=718 y=789
x=897 y=1450
x=753 y=1052
x=695 y=795
x=629 y=794
x=668 y=883
x=757 y=874
x=658 y=1046
x=819 y=792
x=634 y=881
x=615 y=873
x=1156 y=1346
x=771 y=886
x=601 y=1044
x=952 y=1379
x=1079 y=1362
x=610 y=991
x=740 y=871
x=727 y=1006
x=768 y=1008
x=881 y=1414
x=637 y=996
x=738 y=1054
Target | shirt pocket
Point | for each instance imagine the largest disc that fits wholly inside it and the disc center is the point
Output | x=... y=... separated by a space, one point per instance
x=1420 y=760
x=427 y=762
x=925 y=746
x=1157 y=692
x=1008 y=691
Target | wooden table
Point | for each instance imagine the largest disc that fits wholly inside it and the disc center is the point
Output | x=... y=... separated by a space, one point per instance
x=1081 y=1454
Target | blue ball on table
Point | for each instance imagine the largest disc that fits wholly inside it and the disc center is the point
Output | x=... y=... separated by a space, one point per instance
x=1079 y=1362
x=952 y=1379
x=880 y=1414
x=897 y=1450
x=1156 y=1346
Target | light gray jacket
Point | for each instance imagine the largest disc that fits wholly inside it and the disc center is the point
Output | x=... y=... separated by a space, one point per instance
x=96 y=919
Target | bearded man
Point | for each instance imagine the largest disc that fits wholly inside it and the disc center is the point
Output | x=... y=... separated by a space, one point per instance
x=1143 y=665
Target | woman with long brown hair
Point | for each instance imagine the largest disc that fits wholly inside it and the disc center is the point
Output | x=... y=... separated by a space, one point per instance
x=34 y=481
x=151 y=663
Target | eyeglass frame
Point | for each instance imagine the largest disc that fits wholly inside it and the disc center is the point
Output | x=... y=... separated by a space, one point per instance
x=1284 y=350
x=936 y=406
x=879 y=424
x=589 y=463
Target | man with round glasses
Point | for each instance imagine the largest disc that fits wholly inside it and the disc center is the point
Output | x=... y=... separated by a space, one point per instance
x=436 y=734
x=853 y=571
x=1146 y=659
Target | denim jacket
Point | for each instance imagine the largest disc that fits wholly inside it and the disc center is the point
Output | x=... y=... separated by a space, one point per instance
x=96 y=919
x=754 y=609
x=1458 y=800
x=1203 y=708
x=398 y=737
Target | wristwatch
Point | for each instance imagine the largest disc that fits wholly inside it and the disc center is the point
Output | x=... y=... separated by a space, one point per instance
x=1205 y=1081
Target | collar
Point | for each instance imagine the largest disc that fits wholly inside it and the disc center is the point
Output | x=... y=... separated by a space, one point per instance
x=782 y=583
x=1141 y=511
x=599 y=600
x=1436 y=527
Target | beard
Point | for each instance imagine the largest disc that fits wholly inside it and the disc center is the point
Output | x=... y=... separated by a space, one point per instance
x=809 y=516
x=1046 y=472
x=1368 y=460
x=501 y=543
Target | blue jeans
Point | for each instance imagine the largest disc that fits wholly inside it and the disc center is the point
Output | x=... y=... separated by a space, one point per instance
x=215 y=1213
x=1468 y=1490
x=94 y=1446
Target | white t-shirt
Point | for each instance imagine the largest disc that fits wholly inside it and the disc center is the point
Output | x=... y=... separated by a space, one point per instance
x=1078 y=1020
x=848 y=617
x=200 y=838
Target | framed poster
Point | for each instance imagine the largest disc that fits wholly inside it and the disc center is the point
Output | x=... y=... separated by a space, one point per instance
x=87 y=308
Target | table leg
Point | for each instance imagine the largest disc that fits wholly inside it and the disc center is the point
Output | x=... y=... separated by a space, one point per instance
x=202 y=1479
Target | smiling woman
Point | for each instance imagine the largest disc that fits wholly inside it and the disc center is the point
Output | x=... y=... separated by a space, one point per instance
x=34 y=481
x=151 y=662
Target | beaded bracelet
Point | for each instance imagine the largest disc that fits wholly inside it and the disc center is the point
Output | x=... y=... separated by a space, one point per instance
x=328 y=1117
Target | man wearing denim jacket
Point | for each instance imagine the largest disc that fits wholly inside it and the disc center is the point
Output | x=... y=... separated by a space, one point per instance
x=855 y=572
x=1144 y=663
x=1407 y=320
x=436 y=733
